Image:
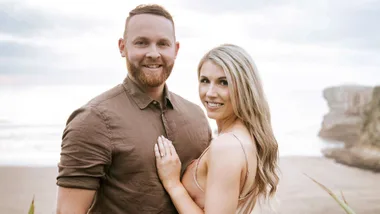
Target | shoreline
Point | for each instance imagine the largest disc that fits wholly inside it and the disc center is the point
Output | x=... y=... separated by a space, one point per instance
x=296 y=193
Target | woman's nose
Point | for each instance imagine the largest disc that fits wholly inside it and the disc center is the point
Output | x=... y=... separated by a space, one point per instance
x=211 y=92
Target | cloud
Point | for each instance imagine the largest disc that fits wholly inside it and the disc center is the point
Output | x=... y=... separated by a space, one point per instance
x=46 y=74
x=19 y=50
x=345 y=24
x=349 y=24
x=354 y=25
x=62 y=40
x=20 y=19
x=227 y=6
x=21 y=58
x=46 y=45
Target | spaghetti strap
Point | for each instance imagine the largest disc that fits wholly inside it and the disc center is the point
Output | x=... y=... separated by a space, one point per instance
x=246 y=174
x=195 y=171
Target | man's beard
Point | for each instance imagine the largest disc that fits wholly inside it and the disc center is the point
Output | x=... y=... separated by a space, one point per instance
x=149 y=79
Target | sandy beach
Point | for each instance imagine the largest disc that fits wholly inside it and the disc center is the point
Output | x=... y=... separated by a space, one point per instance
x=297 y=194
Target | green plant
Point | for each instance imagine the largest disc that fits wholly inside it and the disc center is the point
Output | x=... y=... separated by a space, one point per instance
x=31 y=208
x=342 y=202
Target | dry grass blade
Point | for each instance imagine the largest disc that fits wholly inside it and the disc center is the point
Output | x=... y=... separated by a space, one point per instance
x=31 y=208
x=343 y=204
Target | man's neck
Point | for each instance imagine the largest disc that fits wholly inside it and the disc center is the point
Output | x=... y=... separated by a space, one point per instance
x=156 y=93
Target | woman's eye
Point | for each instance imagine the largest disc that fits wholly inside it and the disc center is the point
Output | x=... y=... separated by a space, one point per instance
x=223 y=82
x=203 y=81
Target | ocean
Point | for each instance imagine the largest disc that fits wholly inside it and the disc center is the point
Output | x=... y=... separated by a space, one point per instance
x=32 y=119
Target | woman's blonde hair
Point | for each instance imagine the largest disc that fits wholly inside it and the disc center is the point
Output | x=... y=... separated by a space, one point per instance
x=250 y=106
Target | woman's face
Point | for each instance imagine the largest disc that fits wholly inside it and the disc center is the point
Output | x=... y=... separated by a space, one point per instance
x=213 y=91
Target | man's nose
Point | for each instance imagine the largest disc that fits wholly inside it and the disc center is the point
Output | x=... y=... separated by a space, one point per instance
x=153 y=52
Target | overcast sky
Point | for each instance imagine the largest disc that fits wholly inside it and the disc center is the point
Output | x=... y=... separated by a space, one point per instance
x=75 y=42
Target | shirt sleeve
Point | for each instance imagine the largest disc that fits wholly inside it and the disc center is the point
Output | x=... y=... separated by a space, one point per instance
x=85 y=151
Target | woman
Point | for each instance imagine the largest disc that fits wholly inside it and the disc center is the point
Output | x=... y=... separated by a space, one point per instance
x=240 y=164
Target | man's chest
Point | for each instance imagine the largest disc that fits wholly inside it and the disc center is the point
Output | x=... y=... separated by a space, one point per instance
x=134 y=138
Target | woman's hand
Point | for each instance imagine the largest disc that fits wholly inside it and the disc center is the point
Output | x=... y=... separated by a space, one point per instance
x=168 y=163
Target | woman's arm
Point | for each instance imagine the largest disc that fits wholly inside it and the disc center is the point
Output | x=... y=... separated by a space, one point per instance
x=225 y=164
x=169 y=167
x=182 y=200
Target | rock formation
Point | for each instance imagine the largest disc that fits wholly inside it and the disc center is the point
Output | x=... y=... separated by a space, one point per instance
x=345 y=119
x=365 y=153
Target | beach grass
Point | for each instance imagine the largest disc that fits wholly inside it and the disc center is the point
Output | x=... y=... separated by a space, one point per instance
x=342 y=202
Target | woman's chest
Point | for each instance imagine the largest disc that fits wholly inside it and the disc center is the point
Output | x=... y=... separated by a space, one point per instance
x=194 y=180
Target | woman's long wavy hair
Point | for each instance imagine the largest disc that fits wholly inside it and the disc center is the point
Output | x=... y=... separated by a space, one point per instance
x=250 y=106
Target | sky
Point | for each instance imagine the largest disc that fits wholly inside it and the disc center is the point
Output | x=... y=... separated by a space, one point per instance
x=55 y=55
x=295 y=43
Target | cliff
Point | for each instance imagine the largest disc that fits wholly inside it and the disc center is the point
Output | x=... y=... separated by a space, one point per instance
x=344 y=120
x=365 y=152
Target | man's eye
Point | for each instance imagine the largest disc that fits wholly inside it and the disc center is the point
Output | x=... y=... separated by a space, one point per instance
x=203 y=81
x=139 y=43
x=164 y=44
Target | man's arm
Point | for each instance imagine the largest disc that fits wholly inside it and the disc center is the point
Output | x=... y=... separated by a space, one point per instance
x=85 y=153
x=74 y=201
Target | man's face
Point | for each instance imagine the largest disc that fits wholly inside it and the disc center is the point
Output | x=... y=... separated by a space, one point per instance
x=150 y=49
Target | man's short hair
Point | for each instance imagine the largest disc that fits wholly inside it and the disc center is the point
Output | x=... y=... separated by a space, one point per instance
x=153 y=9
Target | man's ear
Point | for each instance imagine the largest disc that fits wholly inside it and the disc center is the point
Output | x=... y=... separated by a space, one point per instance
x=122 y=47
x=176 y=48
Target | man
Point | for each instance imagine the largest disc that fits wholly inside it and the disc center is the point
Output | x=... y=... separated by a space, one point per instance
x=107 y=160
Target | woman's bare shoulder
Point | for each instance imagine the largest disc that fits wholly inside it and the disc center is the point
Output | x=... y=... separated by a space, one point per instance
x=226 y=148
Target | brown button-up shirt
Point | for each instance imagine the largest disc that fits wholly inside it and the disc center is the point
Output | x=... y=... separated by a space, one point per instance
x=107 y=146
